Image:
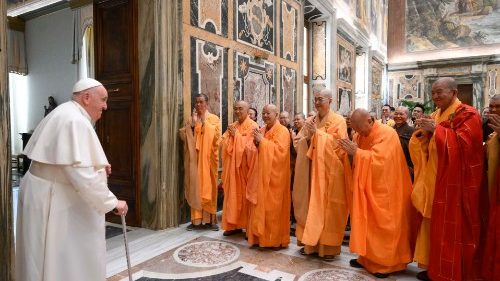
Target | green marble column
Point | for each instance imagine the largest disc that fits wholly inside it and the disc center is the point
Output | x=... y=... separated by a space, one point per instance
x=6 y=230
x=159 y=25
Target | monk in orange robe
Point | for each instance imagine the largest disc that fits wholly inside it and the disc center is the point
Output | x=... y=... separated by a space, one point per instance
x=238 y=162
x=491 y=255
x=447 y=154
x=322 y=175
x=269 y=223
x=201 y=136
x=381 y=211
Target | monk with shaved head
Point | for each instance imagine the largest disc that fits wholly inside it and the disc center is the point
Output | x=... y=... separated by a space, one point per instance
x=447 y=154
x=238 y=161
x=269 y=224
x=322 y=176
x=381 y=210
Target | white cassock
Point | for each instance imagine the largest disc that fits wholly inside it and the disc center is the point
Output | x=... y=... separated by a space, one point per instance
x=62 y=201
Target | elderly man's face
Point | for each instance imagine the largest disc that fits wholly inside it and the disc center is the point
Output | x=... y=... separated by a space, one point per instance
x=362 y=125
x=322 y=103
x=494 y=107
x=417 y=113
x=241 y=111
x=442 y=95
x=298 y=121
x=284 y=119
x=400 y=117
x=95 y=102
x=269 y=116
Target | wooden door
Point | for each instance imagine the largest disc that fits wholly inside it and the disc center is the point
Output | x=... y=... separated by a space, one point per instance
x=116 y=67
x=465 y=93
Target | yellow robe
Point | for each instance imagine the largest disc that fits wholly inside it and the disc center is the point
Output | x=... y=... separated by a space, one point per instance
x=238 y=164
x=425 y=160
x=381 y=211
x=201 y=158
x=269 y=224
x=322 y=176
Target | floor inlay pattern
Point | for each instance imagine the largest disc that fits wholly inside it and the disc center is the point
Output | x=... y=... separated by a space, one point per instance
x=334 y=274
x=206 y=254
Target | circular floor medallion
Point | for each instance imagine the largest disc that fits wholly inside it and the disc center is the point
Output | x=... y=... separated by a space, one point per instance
x=333 y=274
x=206 y=254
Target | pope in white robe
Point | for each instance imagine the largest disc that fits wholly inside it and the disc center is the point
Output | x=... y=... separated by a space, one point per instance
x=64 y=195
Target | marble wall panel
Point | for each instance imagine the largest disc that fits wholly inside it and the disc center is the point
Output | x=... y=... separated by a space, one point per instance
x=6 y=235
x=493 y=80
x=319 y=50
x=255 y=82
x=209 y=75
x=288 y=36
x=376 y=94
x=255 y=23
x=288 y=90
x=210 y=15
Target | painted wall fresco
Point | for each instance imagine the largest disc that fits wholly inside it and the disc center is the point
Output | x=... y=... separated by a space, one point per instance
x=288 y=90
x=255 y=23
x=255 y=82
x=436 y=24
x=289 y=26
x=209 y=75
x=344 y=100
x=319 y=50
x=210 y=15
x=345 y=62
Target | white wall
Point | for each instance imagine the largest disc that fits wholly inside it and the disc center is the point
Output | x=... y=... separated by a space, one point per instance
x=49 y=53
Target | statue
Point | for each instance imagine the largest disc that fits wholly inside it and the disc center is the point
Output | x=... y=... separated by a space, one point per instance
x=52 y=105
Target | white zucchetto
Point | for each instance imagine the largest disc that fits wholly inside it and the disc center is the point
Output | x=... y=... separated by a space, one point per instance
x=84 y=84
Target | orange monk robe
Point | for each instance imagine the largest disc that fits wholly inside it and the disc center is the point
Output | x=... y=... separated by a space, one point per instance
x=424 y=156
x=269 y=224
x=322 y=177
x=238 y=163
x=201 y=157
x=381 y=209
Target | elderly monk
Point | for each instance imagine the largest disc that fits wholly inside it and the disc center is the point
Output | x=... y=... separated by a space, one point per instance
x=238 y=162
x=201 y=137
x=491 y=257
x=447 y=156
x=64 y=195
x=322 y=175
x=405 y=132
x=269 y=223
x=381 y=210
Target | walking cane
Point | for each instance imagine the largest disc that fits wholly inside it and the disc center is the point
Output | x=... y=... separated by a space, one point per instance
x=129 y=267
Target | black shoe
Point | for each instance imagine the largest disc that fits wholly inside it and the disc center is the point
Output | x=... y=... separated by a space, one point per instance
x=212 y=226
x=192 y=227
x=381 y=275
x=232 y=232
x=422 y=275
x=354 y=263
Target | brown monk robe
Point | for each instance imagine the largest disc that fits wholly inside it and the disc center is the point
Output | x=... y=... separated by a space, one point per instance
x=322 y=176
x=269 y=224
x=238 y=161
x=381 y=211
x=201 y=137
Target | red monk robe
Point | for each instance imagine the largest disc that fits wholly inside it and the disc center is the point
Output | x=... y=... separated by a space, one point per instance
x=491 y=257
x=269 y=224
x=448 y=198
x=322 y=176
x=381 y=209
x=238 y=162
x=201 y=158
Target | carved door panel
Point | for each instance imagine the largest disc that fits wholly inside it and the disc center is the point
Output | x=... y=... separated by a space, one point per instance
x=116 y=64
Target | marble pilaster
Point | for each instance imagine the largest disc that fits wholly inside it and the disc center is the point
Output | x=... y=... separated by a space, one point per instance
x=160 y=112
x=6 y=233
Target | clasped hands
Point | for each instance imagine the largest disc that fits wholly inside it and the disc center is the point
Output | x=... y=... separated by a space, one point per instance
x=494 y=122
x=257 y=136
x=348 y=146
x=426 y=123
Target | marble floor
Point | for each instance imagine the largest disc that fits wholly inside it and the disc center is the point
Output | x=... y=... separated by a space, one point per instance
x=178 y=254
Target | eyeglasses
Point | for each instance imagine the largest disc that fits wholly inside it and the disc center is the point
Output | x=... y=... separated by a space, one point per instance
x=320 y=100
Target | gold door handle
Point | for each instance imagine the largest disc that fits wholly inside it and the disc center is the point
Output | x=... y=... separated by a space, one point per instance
x=115 y=90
